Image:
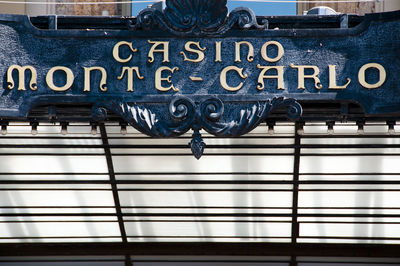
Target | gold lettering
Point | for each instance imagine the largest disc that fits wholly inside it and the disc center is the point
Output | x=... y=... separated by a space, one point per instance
x=265 y=56
x=302 y=76
x=21 y=77
x=332 y=79
x=218 y=52
x=250 y=54
x=153 y=49
x=200 y=54
x=130 y=70
x=382 y=76
x=278 y=76
x=69 y=78
x=103 y=80
x=116 y=51
x=222 y=78
x=158 y=79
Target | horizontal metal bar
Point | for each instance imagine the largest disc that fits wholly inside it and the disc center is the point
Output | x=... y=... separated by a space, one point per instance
x=210 y=237
x=350 y=237
x=337 y=261
x=206 y=190
x=144 y=221
x=345 y=136
x=202 y=248
x=352 y=190
x=166 y=260
x=202 y=190
x=61 y=237
x=169 y=214
x=210 y=146
x=346 y=222
x=348 y=154
x=188 y=154
x=56 y=214
x=51 y=154
x=55 y=189
x=65 y=260
x=205 y=182
x=54 y=207
x=50 y=182
x=350 y=173
x=60 y=221
x=146 y=146
x=350 y=182
x=341 y=146
x=149 y=173
x=200 y=207
x=204 y=221
x=53 y=173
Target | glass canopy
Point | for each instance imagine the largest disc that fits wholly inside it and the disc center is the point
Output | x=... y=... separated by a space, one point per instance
x=104 y=186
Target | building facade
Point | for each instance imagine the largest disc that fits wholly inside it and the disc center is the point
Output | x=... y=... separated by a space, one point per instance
x=297 y=178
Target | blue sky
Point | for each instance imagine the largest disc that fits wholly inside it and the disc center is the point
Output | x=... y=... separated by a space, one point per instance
x=267 y=9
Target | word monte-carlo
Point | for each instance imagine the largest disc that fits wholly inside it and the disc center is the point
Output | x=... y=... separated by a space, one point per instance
x=131 y=71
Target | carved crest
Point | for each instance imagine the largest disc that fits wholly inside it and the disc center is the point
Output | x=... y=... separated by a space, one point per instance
x=197 y=17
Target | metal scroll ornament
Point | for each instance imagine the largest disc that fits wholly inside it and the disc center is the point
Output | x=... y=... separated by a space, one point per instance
x=197 y=17
x=208 y=115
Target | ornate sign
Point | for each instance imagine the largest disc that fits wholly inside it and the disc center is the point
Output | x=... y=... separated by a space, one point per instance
x=194 y=66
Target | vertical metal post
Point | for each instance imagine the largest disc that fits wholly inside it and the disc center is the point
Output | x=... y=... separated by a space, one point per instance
x=295 y=200
x=128 y=261
x=113 y=182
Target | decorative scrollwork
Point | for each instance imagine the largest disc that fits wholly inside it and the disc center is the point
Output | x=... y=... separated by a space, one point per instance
x=212 y=109
x=148 y=19
x=197 y=144
x=207 y=114
x=196 y=17
x=182 y=108
x=146 y=121
x=293 y=108
x=249 y=118
x=244 y=18
x=99 y=113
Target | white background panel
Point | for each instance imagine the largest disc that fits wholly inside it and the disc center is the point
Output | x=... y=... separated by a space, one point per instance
x=350 y=164
x=378 y=177
x=182 y=176
x=205 y=164
x=56 y=198
x=52 y=164
x=207 y=151
x=59 y=229
x=199 y=198
x=54 y=140
x=208 y=229
x=52 y=176
x=66 y=150
x=350 y=230
x=350 y=140
x=349 y=199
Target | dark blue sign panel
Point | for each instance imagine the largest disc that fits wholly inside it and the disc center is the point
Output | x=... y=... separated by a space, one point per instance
x=193 y=66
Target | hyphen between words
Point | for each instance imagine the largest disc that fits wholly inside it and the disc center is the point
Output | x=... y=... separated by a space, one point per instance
x=163 y=75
